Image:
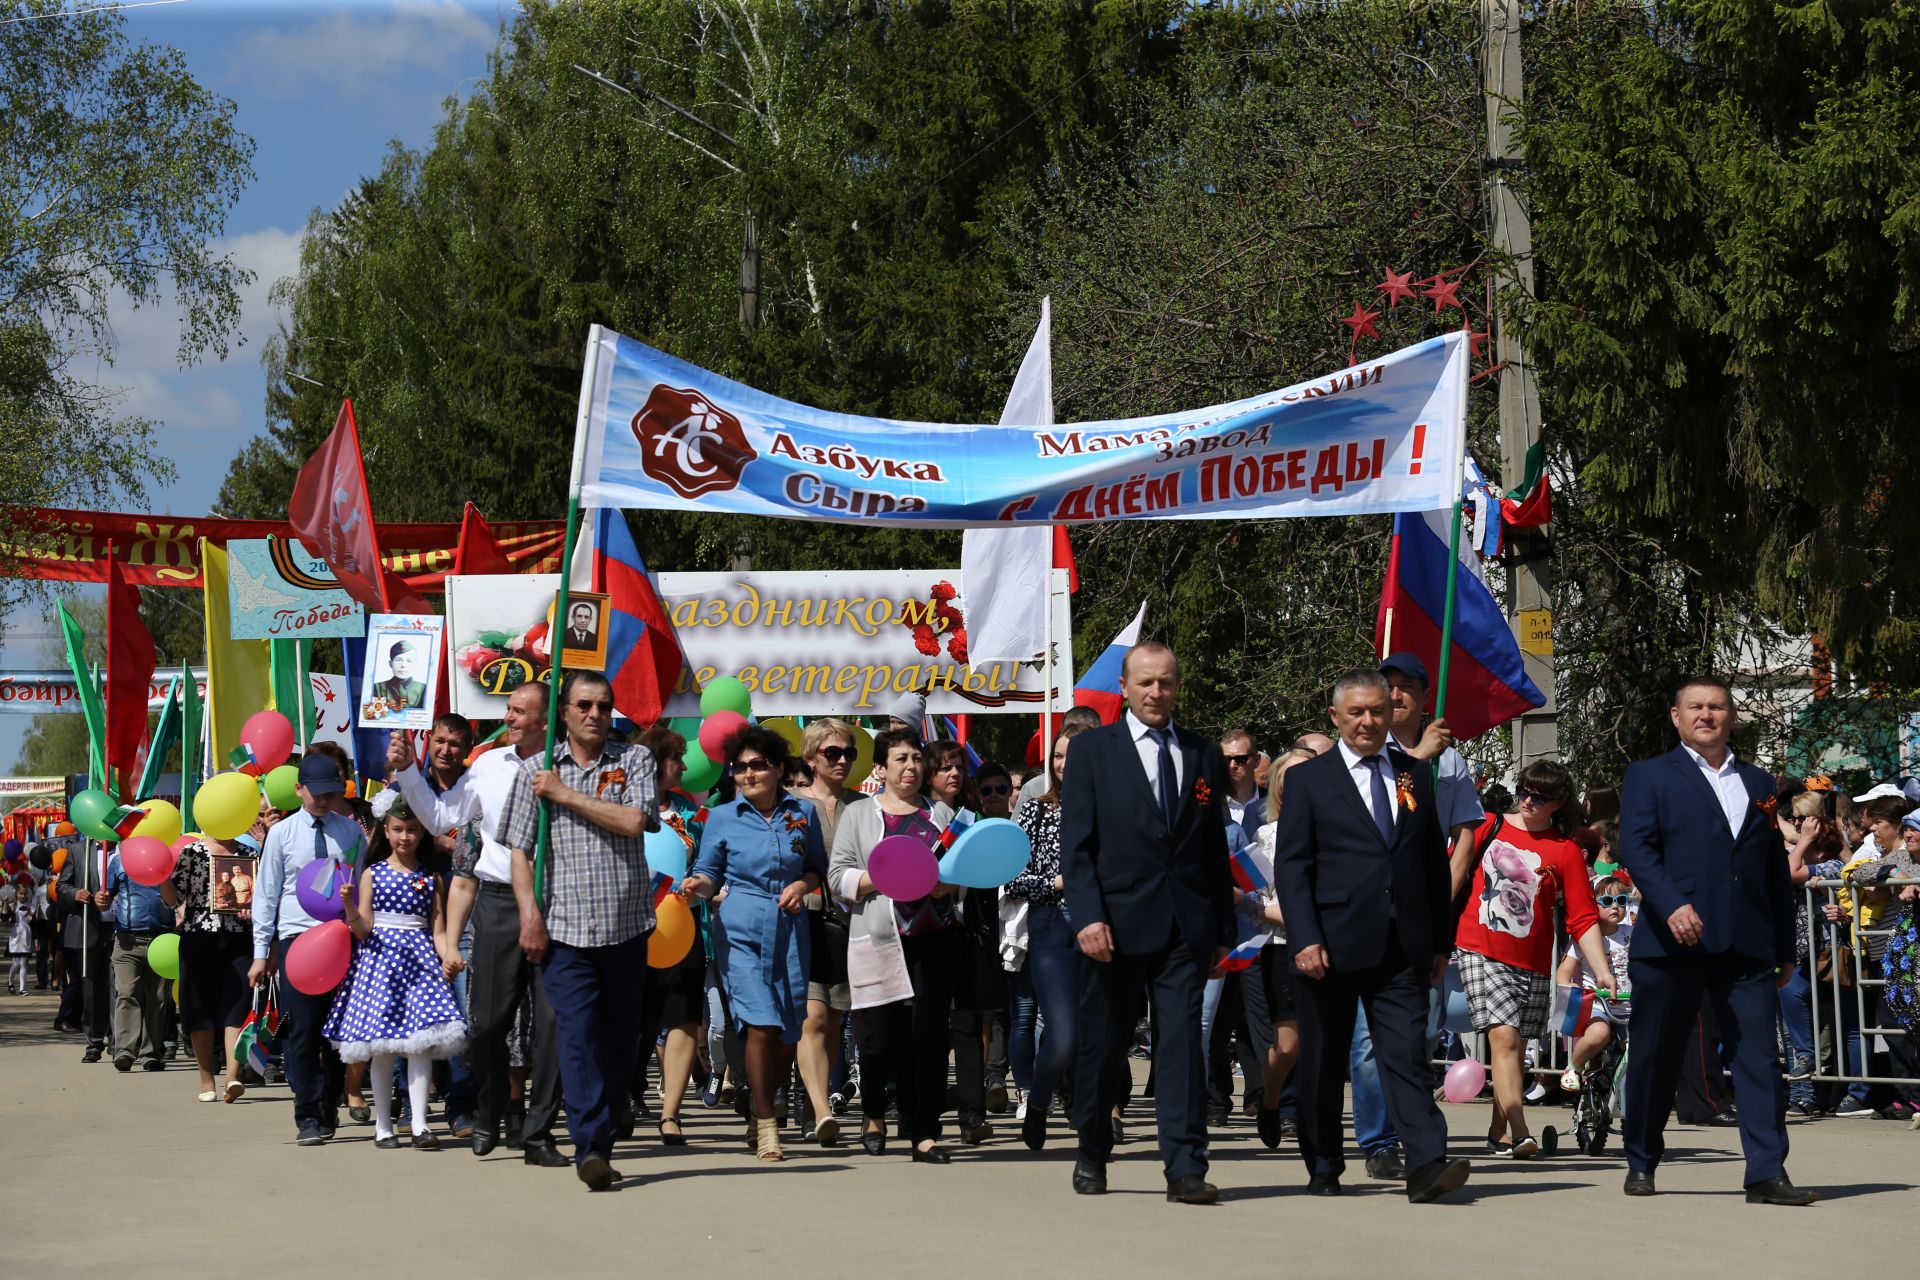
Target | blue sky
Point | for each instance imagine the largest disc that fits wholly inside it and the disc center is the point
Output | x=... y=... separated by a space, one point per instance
x=323 y=90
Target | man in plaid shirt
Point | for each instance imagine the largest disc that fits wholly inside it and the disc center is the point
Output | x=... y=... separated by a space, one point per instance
x=589 y=938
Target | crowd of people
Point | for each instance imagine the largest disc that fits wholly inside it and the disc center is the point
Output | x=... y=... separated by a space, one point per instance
x=1313 y=917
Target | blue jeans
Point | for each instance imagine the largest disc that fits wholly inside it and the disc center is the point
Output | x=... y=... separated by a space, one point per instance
x=1371 y=1128
x=1796 y=1010
x=596 y=996
x=1023 y=1026
x=463 y=1089
x=1053 y=971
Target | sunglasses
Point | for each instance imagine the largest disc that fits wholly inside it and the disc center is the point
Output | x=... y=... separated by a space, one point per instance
x=1241 y=758
x=758 y=764
x=590 y=704
x=1521 y=795
x=837 y=755
x=1615 y=899
x=994 y=789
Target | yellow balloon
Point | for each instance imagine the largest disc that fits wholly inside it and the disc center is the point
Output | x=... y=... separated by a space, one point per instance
x=862 y=757
x=673 y=934
x=790 y=732
x=162 y=821
x=226 y=805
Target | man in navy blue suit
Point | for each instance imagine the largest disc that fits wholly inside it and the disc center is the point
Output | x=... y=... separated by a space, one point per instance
x=1360 y=865
x=1716 y=921
x=1143 y=847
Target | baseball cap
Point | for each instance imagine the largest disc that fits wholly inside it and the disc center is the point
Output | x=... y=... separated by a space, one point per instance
x=1407 y=665
x=1880 y=789
x=321 y=776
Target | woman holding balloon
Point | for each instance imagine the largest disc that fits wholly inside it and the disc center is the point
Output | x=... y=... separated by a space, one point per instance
x=981 y=994
x=764 y=848
x=676 y=993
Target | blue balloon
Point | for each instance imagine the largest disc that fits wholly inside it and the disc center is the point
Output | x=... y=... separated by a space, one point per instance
x=991 y=852
x=667 y=854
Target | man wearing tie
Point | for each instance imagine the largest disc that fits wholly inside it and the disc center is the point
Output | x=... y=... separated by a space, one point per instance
x=1360 y=866
x=1716 y=920
x=1143 y=848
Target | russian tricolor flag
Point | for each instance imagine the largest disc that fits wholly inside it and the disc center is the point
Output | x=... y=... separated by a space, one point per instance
x=1099 y=687
x=644 y=658
x=1246 y=953
x=1247 y=872
x=1486 y=682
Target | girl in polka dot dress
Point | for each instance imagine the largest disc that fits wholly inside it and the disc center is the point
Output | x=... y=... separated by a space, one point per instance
x=397 y=1001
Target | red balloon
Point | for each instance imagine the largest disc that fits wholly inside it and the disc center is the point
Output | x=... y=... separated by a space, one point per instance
x=147 y=860
x=269 y=735
x=718 y=731
x=317 y=961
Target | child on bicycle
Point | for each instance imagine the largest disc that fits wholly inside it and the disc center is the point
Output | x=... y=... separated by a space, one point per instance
x=1594 y=1018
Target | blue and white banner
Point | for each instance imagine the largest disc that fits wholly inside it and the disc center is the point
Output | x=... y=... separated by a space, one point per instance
x=1383 y=436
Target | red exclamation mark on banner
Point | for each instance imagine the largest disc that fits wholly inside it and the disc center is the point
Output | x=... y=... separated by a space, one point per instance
x=1419 y=447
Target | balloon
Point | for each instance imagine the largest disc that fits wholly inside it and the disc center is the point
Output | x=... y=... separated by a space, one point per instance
x=318 y=958
x=226 y=805
x=687 y=727
x=40 y=857
x=790 y=733
x=667 y=854
x=12 y=849
x=317 y=886
x=65 y=829
x=187 y=838
x=162 y=821
x=90 y=811
x=726 y=694
x=672 y=934
x=1465 y=1079
x=146 y=860
x=269 y=735
x=1459 y=1017
x=862 y=757
x=279 y=785
x=987 y=855
x=718 y=731
x=903 y=868
x=163 y=955
x=701 y=772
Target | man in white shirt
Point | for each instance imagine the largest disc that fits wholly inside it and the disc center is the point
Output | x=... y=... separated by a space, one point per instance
x=1242 y=754
x=501 y=975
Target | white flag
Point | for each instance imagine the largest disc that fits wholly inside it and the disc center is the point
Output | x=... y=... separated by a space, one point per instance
x=1007 y=571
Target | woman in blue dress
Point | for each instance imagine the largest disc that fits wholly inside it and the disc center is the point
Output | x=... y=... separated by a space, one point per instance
x=764 y=848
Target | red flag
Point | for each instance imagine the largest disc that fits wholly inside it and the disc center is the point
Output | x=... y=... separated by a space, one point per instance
x=1063 y=557
x=479 y=551
x=129 y=668
x=333 y=516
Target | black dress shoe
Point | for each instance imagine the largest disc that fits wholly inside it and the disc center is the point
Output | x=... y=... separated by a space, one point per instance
x=387 y=1143
x=425 y=1142
x=360 y=1115
x=1033 y=1129
x=1192 y=1190
x=594 y=1171
x=1386 y=1165
x=1089 y=1179
x=1638 y=1184
x=1323 y=1184
x=484 y=1141
x=875 y=1143
x=1435 y=1179
x=1268 y=1124
x=1779 y=1190
x=544 y=1154
x=932 y=1155
x=91 y=1055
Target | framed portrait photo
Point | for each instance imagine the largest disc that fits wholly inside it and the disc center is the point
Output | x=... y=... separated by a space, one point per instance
x=230 y=883
x=583 y=632
x=403 y=669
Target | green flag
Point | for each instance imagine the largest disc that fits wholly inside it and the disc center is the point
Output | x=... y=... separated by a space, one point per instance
x=292 y=689
x=91 y=705
x=191 y=751
x=165 y=734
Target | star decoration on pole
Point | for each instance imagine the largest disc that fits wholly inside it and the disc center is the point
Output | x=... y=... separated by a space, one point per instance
x=1444 y=292
x=1361 y=322
x=1477 y=342
x=1398 y=286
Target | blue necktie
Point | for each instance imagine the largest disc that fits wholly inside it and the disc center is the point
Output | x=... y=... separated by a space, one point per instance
x=1382 y=802
x=1169 y=782
x=319 y=840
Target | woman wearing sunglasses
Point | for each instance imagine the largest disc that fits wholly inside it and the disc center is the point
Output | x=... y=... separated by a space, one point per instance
x=1527 y=865
x=829 y=751
x=995 y=786
x=764 y=846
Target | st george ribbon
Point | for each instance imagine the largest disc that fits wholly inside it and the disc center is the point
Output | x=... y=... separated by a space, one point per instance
x=1382 y=436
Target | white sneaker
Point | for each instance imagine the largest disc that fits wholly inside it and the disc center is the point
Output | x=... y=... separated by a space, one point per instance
x=1020 y=1104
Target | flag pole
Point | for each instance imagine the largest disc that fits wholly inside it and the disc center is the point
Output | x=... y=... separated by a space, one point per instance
x=582 y=422
x=1453 y=539
x=1046 y=658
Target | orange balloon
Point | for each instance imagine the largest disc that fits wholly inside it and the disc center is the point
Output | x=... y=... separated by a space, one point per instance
x=673 y=934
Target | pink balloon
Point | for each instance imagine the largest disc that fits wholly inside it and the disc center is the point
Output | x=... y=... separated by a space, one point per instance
x=903 y=868
x=318 y=958
x=269 y=735
x=146 y=860
x=186 y=838
x=718 y=731
x=1465 y=1079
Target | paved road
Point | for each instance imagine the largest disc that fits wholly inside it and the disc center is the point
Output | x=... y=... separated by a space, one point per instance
x=119 y=1170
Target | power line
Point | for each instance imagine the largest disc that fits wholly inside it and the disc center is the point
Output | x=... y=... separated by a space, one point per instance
x=99 y=8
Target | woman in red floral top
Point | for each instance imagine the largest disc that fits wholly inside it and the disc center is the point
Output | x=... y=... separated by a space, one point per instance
x=1505 y=939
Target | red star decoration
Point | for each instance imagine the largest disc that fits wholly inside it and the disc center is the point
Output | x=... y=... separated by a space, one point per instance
x=1444 y=292
x=1398 y=288
x=1361 y=322
x=1477 y=341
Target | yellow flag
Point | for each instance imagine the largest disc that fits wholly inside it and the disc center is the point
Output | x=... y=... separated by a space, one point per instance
x=239 y=672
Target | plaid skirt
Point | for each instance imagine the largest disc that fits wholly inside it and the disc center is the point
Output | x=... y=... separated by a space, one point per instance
x=1502 y=995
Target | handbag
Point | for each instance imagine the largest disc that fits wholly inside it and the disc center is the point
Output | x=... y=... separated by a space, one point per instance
x=1840 y=954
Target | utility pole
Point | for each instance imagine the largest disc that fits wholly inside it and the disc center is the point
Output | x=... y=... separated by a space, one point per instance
x=1536 y=735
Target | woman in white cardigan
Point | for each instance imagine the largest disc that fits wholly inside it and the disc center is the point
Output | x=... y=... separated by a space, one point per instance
x=903 y=958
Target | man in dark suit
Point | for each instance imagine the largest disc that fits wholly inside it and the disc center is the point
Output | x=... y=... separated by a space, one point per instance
x=1716 y=920
x=1143 y=847
x=583 y=631
x=1360 y=865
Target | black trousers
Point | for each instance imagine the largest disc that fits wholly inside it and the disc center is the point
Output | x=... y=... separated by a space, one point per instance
x=501 y=977
x=907 y=1040
x=86 y=1000
x=1112 y=996
x=1395 y=996
x=315 y=1074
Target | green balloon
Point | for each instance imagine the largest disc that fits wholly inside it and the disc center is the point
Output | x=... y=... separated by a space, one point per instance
x=163 y=955
x=701 y=772
x=279 y=785
x=726 y=694
x=687 y=727
x=90 y=811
